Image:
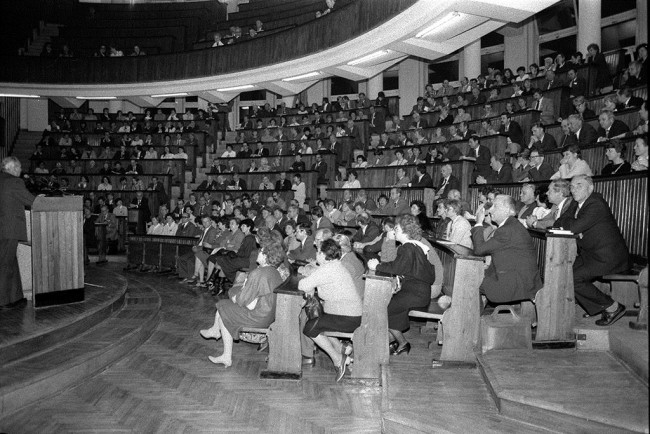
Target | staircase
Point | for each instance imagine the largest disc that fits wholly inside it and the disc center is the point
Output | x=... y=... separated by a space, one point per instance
x=44 y=35
x=25 y=145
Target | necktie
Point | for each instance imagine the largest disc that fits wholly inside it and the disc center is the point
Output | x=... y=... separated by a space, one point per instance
x=537 y=105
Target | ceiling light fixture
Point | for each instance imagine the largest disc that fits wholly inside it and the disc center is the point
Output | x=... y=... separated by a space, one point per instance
x=170 y=95
x=230 y=89
x=16 y=95
x=96 y=97
x=369 y=57
x=303 y=76
x=442 y=23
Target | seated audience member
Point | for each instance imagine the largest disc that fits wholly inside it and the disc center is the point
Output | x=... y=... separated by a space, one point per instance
x=610 y=128
x=251 y=305
x=418 y=273
x=397 y=205
x=521 y=166
x=458 y=229
x=539 y=170
x=626 y=100
x=348 y=216
x=501 y=172
x=367 y=233
x=421 y=179
x=642 y=126
x=350 y=261
x=383 y=206
x=617 y=165
x=641 y=152
x=584 y=134
x=481 y=156
x=513 y=274
x=511 y=128
x=230 y=263
x=201 y=252
x=567 y=138
x=601 y=250
x=419 y=211
x=171 y=227
x=580 y=108
x=545 y=106
x=401 y=178
x=305 y=251
x=155 y=227
x=352 y=181
x=447 y=182
x=341 y=304
x=572 y=164
x=540 y=140
x=319 y=220
x=527 y=202
x=562 y=206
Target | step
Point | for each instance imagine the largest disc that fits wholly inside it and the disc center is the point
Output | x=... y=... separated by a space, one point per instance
x=569 y=389
x=48 y=372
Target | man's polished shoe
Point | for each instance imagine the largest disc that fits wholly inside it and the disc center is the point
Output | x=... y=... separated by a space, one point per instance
x=392 y=347
x=609 y=318
x=308 y=361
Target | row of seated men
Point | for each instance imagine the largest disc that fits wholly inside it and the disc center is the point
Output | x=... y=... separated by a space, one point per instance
x=510 y=243
x=118 y=139
x=143 y=127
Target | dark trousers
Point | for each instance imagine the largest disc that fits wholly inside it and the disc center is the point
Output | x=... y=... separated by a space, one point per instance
x=592 y=299
x=11 y=287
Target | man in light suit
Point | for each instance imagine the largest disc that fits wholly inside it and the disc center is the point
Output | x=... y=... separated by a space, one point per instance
x=545 y=106
x=559 y=194
x=513 y=274
x=14 y=197
x=601 y=250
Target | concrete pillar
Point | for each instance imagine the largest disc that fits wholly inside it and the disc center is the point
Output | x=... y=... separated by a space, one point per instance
x=413 y=76
x=641 y=20
x=34 y=114
x=520 y=45
x=588 y=24
x=374 y=85
x=470 y=61
x=318 y=91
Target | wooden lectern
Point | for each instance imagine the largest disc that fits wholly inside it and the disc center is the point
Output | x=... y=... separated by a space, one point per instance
x=57 y=250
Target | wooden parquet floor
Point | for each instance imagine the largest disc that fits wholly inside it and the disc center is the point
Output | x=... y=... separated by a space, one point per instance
x=167 y=385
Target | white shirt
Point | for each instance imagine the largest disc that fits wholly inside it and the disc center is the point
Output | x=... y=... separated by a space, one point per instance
x=170 y=229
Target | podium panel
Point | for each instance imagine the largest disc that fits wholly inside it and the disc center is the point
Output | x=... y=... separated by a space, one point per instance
x=57 y=250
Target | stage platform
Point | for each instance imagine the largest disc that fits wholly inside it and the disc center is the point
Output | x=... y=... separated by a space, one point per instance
x=45 y=350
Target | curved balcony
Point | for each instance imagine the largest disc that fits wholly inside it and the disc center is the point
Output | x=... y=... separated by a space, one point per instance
x=330 y=45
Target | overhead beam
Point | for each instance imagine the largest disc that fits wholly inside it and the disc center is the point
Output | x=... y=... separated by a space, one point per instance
x=287 y=88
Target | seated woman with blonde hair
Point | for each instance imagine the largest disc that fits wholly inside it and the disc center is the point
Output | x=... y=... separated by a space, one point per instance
x=250 y=305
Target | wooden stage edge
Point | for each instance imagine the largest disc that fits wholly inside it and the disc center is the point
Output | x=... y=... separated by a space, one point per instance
x=55 y=348
x=26 y=330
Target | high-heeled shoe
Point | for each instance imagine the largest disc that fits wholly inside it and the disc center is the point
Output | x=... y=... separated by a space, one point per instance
x=210 y=334
x=404 y=349
x=341 y=368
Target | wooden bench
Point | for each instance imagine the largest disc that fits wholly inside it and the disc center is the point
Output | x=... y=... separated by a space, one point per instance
x=157 y=251
x=370 y=339
x=458 y=327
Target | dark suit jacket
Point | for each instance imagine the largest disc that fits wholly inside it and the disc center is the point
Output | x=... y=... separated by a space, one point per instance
x=425 y=182
x=543 y=173
x=588 y=135
x=513 y=273
x=546 y=144
x=280 y=185
x=239 y=183
x=618 y=127
x=372 y=231
x=452 y=184
x=577 y=87
x=143 y=207
x=515 y=132
x=189 y=230
x=502 y=176
x=322 y=172
x=14 y=197
x=601 y=247
x=482 y=163
x=634 y=101
x=568 y=210
x=305 y=252
x=526 y=210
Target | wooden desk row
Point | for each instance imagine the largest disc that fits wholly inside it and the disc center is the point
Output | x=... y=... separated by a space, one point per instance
x=363 y=127
x=627 y=196
x=94 y=138
x=95 y=179
x=176 y=168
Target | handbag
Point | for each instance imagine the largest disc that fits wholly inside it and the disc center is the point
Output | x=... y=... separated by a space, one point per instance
x=313 y=306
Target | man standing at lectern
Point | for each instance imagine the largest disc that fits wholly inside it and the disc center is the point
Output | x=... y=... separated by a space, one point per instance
x=14 y=197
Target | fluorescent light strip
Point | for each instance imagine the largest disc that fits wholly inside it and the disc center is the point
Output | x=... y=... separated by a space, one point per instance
x=96 y=97
x=15 y=95
x=369 y=57
x=170 y=95
x=436 y=27
x=300 y=77
x=230 y=89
